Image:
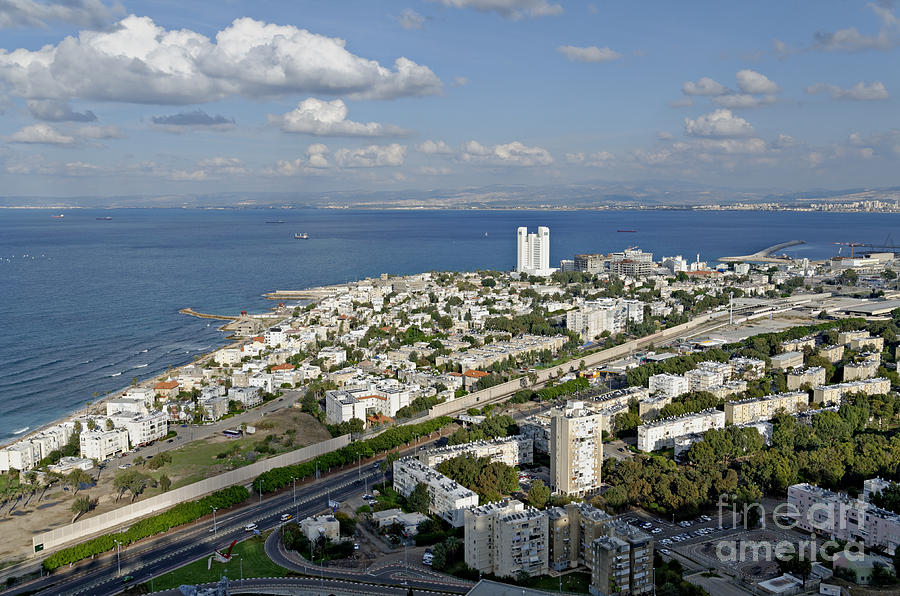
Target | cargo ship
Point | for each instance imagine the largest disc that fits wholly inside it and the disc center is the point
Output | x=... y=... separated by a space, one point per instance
x=60 y=216
x=107 y=218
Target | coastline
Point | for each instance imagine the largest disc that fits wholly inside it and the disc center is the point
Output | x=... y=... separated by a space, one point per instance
x=230 y=341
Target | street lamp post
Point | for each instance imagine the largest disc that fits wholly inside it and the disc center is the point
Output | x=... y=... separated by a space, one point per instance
x=118 y=560
x=215 y=529
x=294 y=495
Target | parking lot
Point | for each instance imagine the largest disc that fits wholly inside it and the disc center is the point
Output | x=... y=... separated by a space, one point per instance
x=669 y=533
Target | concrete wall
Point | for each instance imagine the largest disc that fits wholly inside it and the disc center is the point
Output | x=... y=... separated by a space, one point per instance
x=479 y=398
x=107 y=521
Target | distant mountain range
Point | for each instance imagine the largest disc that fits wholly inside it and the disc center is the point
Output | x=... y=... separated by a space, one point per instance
x=599 y=195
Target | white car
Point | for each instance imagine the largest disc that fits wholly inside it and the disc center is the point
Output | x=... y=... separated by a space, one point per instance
x=286 y=516
x=250 y=527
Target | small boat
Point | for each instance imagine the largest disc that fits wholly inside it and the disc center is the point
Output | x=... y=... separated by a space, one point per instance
x=276 y=222
x=107 y=218
x=626 y=231
x=301 y=236
x=60 y=216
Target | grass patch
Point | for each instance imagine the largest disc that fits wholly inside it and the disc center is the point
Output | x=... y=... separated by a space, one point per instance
x=576 y=582
x=255 y=564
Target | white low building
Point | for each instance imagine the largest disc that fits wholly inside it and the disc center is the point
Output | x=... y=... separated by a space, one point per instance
x=104 y=444
x=512 y=451
x=663 y=433
x=146 y=429
x=668 y=385
x=448 y=498
x=22 y=456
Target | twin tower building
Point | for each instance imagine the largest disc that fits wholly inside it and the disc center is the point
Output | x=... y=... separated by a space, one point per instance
x=533 y=252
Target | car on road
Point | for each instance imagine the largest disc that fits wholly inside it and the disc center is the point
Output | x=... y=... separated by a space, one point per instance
x=656 y=531
x=286 y=516
x=368 y=497
x=250 y=527
x=127 y=579
x=355 y=546
x=124 y=466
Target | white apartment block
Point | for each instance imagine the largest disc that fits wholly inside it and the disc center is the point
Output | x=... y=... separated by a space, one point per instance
x=758 y=409
x=448 y=498
x=668 y=385
x=479 y=532
x=512 y=451
x=747 y=369
x=369 y=400
x=248 y=396
x=854 y=371
x=701 y=379
x=533 y=251
x=833 y=394
x=812 y=376
x=537 y=428
x=104 y=444
x=145 y=429
x=333 y=356
x=729 y=388
x=621 y=397
x=662 y=433
x=631 y=263
x=798 y=345
x=845 y=337
x=126 y=406
x=606 y=314
x=576 y=449
x=21 y=456
x=787 y=360
x=840 y=517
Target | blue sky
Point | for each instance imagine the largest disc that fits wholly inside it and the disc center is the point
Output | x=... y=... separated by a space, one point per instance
x=108 y=98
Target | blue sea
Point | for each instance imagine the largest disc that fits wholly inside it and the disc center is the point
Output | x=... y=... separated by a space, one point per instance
x=86 y=305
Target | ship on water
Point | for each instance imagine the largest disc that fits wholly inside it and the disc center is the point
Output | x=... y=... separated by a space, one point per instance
x=60 y=216
x=107 y=218
x=301 y=236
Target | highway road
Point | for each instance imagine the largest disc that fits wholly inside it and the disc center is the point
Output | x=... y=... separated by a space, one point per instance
x=151 y=558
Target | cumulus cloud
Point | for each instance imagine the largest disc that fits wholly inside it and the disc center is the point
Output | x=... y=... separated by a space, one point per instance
x=752 y=82
x=720 y=123
x=727 y=146
x=510 y=154
x=314 y=162
x=196 y=120
x=430 y=147
x=329 y=119
x=373 y=156
x=851 y=40
x=859 y=92
x=742 y=100
x=511 y=9
x=31 y=13
x=460 y=81
x=664 y=135
x=57 y=111
x=435 y=171
x=705 y=86
x=42 y=134
x=99 y=132
x=410 y=19
x=589 y=54
x=140 y=62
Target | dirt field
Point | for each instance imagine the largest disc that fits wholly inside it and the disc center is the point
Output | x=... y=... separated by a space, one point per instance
x=289 y=428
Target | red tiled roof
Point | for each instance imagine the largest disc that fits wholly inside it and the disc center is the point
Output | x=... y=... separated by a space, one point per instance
x=372 y=397
x=285 y=366
x=475 y=374
x=166 y=385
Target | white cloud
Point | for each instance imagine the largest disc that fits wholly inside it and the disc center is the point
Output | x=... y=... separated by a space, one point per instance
x=140 y=62
x=575 y=157
x=727 y=146
x=784 y=141
x=742 y=100
x=720 y=123
x=705 y=86
x=40 y=134
x=196 y=120
x=434 y=148
x=31 y=13
x=410 y=19
x=664 y=135
x=511 y=9
x=460 y=81
x=860 y=91
x=851 y=40
x=329 y=119
x=435 y=171
x=372 y=156
x=99 y=132
x=750 y=81
x=598 y=159
x=57 y=111
x=589 y=54
x=512 y=154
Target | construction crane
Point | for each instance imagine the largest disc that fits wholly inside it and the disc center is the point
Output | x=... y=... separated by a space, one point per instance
x=852 y=245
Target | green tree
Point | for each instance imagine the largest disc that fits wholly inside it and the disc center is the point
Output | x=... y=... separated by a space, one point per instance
x=419 y=500
x=165 y=483
x=538 y=494
x=82 y=505
x=76 y=477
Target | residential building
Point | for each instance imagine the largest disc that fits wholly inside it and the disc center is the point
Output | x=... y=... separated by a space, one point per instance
x=874 y=343
x=146 y=429
x=321 y=526
x=21 y=456
x=512 y=451
x=748 y=369
x=166 y=390
x=662 y=433
x=533 y=251
x=537 y=428
x=798 y=345
x=747 y=411
x=832 y=353
x=520 y=544
x=703 y=379
x=840 y=517
x=103 y=444
x=859 y=370
x=668 y=385
x=214 y=408
x=447 y=498
x=480 y=532
x=845 y=337
x=812 y=376
x=729 y=388
x=364 y=402
x=247 y=396
x=649 y=409
x=787 y=360
x=632 y=262
x=622 y=562
x=409 y=521
x=833 y=394
x=590 y=263
x=576 y=449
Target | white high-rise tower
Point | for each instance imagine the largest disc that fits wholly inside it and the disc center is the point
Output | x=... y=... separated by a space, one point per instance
x=533 y=251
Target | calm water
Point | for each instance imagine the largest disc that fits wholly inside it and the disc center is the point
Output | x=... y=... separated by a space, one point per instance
x=86 y=305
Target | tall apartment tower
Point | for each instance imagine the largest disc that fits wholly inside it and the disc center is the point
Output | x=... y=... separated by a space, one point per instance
x=533 y=251
x=576 y=449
